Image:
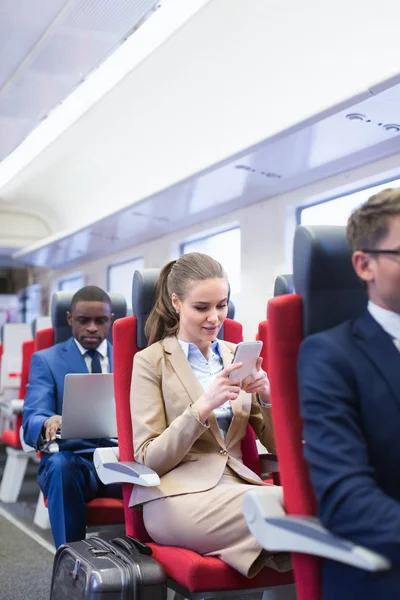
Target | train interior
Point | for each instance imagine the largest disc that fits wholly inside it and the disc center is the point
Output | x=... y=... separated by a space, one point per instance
x=132 y=132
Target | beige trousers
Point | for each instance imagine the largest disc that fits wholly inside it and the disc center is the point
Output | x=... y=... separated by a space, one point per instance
x=212 y=523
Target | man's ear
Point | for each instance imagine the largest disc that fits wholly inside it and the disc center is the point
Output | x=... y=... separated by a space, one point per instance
x=69 y=318
x=363 y=265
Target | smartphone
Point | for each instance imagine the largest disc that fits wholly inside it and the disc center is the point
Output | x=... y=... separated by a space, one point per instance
x=246 y=353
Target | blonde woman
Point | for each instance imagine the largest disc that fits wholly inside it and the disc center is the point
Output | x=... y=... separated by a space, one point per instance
x=189 y=418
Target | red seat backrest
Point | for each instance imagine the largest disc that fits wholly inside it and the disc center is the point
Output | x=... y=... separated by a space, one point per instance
x=124 y=348
x=28 y=349
x=262 y=335
x=44 y=338
x=285 y=327
x=233 y=331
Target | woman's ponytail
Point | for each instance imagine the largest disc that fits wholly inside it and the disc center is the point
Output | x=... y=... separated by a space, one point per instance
x=163 y=319
x=175 y=278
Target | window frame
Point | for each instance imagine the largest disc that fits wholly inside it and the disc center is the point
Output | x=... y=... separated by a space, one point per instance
x=204 y=237
x=355 y=190
x=118 y=264
x=70 y=278
x=234 y=295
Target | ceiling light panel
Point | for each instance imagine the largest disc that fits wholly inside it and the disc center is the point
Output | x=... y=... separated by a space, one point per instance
x=22 y=24
x=48 y=48
x=107 y=16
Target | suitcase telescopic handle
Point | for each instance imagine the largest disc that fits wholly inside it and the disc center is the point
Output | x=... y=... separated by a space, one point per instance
x=132 y=546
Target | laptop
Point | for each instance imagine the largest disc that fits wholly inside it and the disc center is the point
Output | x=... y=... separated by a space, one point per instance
x=88 y=406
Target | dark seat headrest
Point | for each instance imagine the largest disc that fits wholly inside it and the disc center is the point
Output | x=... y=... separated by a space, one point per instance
x=61 y=303
x=324 y=276
x=231 y=310
x=283 y=285
x=143 y=298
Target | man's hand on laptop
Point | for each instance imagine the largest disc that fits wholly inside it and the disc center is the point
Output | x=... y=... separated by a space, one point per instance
x=50 y=427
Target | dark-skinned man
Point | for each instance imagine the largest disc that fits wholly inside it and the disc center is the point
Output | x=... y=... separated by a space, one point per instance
x=68 y=478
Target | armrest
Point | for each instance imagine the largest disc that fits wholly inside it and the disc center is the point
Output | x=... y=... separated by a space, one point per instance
x=111 y=470
x=269 y=463
x=16 y=406
x=305 y=535
x=25 y=446
x=12 y=407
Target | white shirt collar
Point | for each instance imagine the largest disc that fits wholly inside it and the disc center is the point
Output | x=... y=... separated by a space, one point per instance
x=186 y=346
x=387 y=319
x=102 y=349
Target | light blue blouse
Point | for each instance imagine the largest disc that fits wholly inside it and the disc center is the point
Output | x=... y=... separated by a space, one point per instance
x=205 y=371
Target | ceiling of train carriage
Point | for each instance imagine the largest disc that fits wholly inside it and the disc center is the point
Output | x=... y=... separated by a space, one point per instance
x=47 y=48
x=193 y=130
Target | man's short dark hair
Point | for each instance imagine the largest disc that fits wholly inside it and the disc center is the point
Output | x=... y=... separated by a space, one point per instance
x=369 y=223
x=90 y=293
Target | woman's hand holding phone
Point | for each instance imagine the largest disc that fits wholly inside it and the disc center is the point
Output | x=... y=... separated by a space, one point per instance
x=219 y=391
x=257 y=382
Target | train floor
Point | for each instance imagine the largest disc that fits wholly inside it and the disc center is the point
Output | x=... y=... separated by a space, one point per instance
x=26 y=551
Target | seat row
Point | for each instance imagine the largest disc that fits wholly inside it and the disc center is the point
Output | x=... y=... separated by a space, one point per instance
x=327 y=292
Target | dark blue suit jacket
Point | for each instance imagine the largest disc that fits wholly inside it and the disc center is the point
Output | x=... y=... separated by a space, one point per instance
x=350 y=401
x=44 y=395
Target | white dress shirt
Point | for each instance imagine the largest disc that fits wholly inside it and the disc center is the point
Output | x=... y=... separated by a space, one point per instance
x=388 y=320
x=205 y=371
x=102 y=350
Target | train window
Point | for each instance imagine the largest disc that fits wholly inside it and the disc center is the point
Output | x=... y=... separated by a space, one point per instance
x=336 y=211
x=225 y=248
x=119 y=278
x=33 y=302
x=71 y=284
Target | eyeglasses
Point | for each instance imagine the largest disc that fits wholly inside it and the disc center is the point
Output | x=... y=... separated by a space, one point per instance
x=395 y=252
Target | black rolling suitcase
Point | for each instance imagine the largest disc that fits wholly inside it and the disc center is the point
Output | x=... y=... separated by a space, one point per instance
x=107 y=569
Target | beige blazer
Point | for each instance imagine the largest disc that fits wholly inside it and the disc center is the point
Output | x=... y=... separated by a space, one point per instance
x=168 y=435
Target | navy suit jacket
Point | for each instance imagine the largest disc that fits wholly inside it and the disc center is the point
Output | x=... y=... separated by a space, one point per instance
x=349 y=381
x=45 y=390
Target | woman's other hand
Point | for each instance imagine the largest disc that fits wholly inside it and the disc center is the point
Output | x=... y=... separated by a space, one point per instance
x=219 y=391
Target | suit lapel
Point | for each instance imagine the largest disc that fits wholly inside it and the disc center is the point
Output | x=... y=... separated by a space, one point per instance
x=110 y=357
x=192 y=386
x=182 y=368
x=379 y=347
x=71 y=355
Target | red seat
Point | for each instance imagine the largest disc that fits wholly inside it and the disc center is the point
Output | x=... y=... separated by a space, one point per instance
x=17 y=459
x=262 y=335
x=186 y=569
x=10 y=437
x=284 y=339
x=100 y=511
x=44 y=339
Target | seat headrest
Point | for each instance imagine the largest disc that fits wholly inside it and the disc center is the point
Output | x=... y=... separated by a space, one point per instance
x=231 y=310
x=283 y=285
x=61 y=303
x=143 y=297
x=324 y=276
x=40 y=323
